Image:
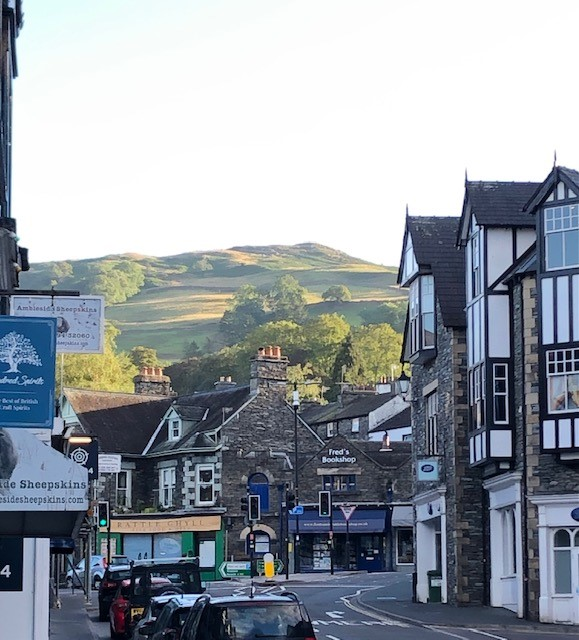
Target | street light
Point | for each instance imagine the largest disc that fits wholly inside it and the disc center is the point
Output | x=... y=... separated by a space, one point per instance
x=296 y=404
x=403 y=385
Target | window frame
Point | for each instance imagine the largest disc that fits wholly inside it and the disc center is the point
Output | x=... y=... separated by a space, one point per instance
x=125 y=491
x=174 y=429
x=355 y=425
x=422 y=313
x=167 y=489
x=431 y=403
x=562 y=365
x=501 y=396
x=339 y=482
x=555 y=227
x=199 y=484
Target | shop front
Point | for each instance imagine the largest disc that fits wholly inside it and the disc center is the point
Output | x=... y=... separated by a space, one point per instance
x=158 y=536
x=358 y=541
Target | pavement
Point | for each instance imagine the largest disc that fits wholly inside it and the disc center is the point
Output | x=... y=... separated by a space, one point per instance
x=71 y=620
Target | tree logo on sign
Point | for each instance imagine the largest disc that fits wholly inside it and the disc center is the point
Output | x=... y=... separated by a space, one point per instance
x=16 y=349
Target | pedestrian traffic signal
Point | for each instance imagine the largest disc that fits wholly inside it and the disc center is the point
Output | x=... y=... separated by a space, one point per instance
x=254 y=507
x=245 y=503
x=103 y=515
x=290 y=500
x=325 y=503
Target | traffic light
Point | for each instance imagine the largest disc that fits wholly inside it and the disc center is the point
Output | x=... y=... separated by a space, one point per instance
x=254 y=507
x=244 y=503
x=290 y=500
x=325 y=503
x=103 y=515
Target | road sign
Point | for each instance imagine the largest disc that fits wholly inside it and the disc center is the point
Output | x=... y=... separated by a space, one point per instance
x=298 y=510
x=278 y=566
x=235 y=569
x=347 y=510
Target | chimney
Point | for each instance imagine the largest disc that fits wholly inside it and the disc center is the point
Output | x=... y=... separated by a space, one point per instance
x=151 y=382
x=224 y=382
x=268 y=372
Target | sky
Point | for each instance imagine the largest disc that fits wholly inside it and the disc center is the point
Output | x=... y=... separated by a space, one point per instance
x=162 y=128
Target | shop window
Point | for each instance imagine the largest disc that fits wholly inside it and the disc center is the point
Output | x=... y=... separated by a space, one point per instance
x=562 y=561
x=207 y=549
x=563 y=380
x=404 y=546
x=258 y=484
x=204 y=484
x=339 y=483
x=167 y=481
x=124 y=484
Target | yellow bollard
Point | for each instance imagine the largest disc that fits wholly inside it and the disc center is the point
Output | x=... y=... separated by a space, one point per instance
x=268 y=565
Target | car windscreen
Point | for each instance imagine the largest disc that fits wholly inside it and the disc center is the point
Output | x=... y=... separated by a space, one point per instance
x=248 y=621
x=186 y=580
x=118 y=575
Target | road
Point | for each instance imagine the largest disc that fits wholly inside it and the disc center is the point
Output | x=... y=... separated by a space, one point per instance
x=337 y=614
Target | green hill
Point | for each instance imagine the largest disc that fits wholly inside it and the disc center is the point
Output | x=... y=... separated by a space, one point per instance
x=168 y=302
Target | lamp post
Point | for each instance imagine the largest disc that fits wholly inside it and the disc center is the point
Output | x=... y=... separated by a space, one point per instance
x=402 y=385
x=296 y=404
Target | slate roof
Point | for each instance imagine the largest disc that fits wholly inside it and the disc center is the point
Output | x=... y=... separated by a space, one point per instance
x=500 y=204
x=201 y=413
x=398 y=455
x=123 y=422
x=436 y=252
x=401 y=419
x=334 y=411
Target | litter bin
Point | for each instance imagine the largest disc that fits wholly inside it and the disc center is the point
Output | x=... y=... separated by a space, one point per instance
x=434 y=585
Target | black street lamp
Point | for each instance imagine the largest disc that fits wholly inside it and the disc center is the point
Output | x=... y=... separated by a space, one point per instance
x=296 y=404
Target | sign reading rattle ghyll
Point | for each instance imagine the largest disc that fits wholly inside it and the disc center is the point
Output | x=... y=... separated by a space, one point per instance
x=35 y=477
x=79 y=320
x=27 y=358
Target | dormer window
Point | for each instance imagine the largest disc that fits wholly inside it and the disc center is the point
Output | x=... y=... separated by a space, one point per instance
x=174 y=429
x=421 y=314
x=562 y=237
x=410 y=266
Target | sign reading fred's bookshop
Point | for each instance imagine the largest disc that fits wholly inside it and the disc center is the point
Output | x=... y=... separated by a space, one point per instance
x=27 y=361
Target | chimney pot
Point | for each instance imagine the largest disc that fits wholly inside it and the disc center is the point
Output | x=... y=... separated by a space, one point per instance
x=260 y=351
x=277 y=352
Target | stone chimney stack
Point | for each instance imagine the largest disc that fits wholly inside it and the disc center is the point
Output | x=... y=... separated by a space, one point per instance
x=268 y=372
x=151 y=382
x=224 y=382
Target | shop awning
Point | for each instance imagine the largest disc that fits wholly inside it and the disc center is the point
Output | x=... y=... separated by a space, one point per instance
x=361 y=521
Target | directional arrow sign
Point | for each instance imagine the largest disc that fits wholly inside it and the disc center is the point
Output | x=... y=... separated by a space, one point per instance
x=298 y=510
x=277 y=565
x=235 y=569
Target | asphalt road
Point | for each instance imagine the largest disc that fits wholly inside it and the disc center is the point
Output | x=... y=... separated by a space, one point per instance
x=337 y=614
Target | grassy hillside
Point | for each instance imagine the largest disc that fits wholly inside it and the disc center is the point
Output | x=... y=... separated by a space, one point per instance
x=182 y=298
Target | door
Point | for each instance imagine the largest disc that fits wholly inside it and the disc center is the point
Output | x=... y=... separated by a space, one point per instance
x=370 y=553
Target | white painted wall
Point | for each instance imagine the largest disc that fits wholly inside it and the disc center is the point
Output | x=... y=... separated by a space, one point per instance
x=24 y=615
x=499 y=254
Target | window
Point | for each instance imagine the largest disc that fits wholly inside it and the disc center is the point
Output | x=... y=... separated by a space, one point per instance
x=562 y=561
x=563 y=380
x=339 y=483
x=500 y=393
x=330 y=429
x=421 y=314
x=432 y=424
x=509 y=542
x=562 y=237
x=355 y=425
x=259 y=486
x=475 y=266
x=124 y=488
x=404 y=546
x=166 y=486
x=410 y=265
x=476 y=393
x=174 y=429
x=204 y=475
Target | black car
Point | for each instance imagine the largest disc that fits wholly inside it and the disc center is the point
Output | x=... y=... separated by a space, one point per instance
x=170 y=618
x=151 y=578
x=248 y=618
x=112 y=578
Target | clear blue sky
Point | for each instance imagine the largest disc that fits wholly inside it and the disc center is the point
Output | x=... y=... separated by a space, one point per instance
x=162 y=127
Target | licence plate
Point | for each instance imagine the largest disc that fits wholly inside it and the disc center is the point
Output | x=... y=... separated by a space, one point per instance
x=136 y=611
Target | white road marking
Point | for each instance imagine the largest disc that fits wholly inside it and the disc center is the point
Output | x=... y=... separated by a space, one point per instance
x=446 y=633
x=335 y=614
x=382 y=618
x=332 y=638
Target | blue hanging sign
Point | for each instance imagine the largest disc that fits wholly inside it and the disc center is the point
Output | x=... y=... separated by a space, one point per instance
x=27 y=371
x=575 y=514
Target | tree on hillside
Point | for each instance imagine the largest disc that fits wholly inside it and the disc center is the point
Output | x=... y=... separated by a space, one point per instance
x=109 y=371
x=191 y=349
x=377 y=349
x=117 y=280
x=60 y=271
x=392 y=312
x=144 y=357
x=245 y=313
x=337 y=293
x=323 y=336
x=287 y=299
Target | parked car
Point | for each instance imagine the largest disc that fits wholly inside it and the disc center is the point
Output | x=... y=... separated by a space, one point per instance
x=120 y=611
x=248 y=618
x=98 y=565
x=169 y=620
x=112 y=578
x=150 y=578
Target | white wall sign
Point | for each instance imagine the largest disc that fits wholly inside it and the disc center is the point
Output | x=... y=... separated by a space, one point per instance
x=80 y=320
x=427 y=469
x=109 y=463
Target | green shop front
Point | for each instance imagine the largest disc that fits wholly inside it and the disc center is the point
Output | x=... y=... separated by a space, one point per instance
x=146 y=536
